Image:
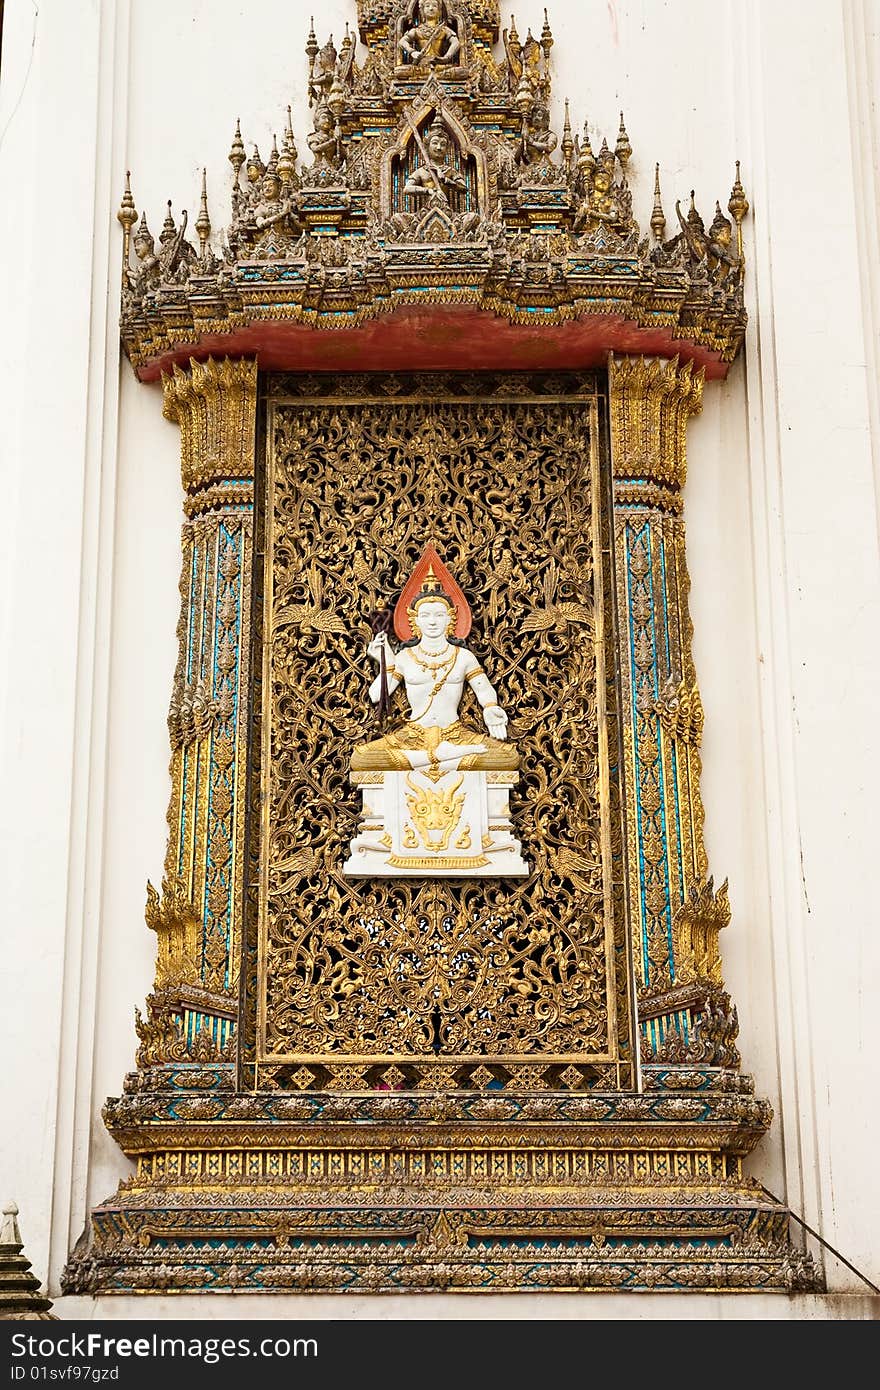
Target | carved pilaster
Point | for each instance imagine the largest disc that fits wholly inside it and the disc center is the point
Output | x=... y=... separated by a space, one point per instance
x=197 y=919
x=675 y=911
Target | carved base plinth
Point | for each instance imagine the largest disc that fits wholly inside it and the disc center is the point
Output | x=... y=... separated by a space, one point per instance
x=456 y=825
x=460 y=1191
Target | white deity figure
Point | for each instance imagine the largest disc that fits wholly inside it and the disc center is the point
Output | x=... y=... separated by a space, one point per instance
x=434 y=790
x=434 y=672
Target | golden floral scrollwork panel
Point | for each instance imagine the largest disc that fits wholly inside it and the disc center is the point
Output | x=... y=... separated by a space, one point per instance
x=388 y=982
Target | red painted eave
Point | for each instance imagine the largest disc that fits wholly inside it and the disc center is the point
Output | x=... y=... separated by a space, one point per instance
x=439 y=338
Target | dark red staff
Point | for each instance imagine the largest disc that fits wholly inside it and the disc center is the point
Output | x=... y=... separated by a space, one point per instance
x=380 y=621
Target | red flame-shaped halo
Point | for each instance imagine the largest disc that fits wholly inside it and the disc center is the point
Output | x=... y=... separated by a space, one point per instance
x=431 y=560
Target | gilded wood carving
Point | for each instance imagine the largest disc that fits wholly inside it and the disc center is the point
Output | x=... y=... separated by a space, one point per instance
x=366 y=1083
x=505 y=478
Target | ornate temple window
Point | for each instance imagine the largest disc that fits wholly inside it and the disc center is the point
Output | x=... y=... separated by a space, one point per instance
x=438 y=981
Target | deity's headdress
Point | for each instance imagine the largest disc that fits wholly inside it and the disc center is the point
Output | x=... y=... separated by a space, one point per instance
x=438 y=127
x=169 y=230
x=694 y=219
x=431 y=581
x=142 y=232
x=432 y=591
x=605 y=159
x=720 y=223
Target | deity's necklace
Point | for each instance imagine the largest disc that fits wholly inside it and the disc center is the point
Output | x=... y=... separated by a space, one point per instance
x=436 y=665
x=439 y=681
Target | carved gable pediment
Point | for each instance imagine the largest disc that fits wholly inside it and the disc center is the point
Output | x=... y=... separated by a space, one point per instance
x=428 y=130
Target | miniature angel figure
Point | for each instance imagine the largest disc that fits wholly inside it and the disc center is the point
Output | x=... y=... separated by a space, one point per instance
x=175 y=257
x=713 y=250
x=254 y=171
x=146 y=271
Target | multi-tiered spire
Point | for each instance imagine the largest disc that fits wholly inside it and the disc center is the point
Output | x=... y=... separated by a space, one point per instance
x=501 y=193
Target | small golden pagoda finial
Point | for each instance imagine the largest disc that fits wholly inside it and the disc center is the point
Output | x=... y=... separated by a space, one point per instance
x=312 y=51
x=127 y=216
x=623 y=149
x=546 y=38
x=738 y=206
x=658 y=219
x=567 y=146
x=237 y=152
x=203 y=221
x=585 y=161
x=287 y=162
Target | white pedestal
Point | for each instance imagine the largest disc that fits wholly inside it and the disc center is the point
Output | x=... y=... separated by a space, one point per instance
x=455 y=827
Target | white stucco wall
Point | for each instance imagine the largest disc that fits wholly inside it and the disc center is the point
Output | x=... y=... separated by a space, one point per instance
x=782 y=511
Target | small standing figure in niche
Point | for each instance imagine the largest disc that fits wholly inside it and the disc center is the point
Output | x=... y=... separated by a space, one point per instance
x=431 y=39
x=438 y=174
